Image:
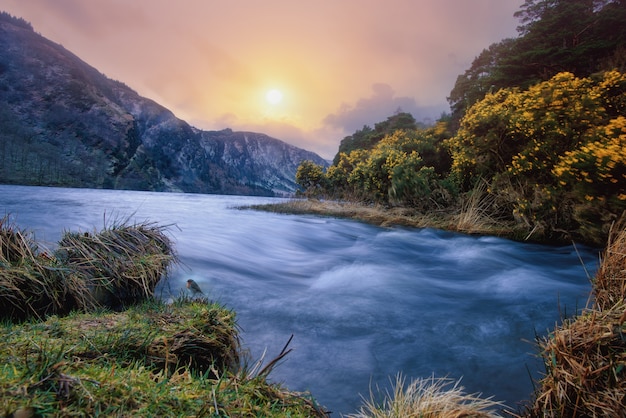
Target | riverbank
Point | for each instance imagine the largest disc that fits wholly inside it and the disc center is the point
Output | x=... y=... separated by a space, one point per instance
x=471 y=219
x=84 y=335
x=152 y=359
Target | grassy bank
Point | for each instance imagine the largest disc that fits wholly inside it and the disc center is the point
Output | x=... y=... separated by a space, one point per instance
x=84 y=336
x=471 y=219
x=177 y=360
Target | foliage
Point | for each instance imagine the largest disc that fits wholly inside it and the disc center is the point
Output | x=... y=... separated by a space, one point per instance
x=578 y=36
x=406 y=168
x=484 y=76
x=549 y=151
x=367 y=137
x=310 y=177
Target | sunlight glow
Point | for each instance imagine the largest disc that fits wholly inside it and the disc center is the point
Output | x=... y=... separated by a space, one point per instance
x=274 y=96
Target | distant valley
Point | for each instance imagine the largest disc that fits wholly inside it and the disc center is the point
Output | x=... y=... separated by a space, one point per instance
x=63 y=123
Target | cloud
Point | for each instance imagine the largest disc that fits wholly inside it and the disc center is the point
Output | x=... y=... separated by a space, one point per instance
x=376 y=108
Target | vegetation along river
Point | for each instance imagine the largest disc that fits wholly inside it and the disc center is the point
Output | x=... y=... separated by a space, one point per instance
x=362 y=302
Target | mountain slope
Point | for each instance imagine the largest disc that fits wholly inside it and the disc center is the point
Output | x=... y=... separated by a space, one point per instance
x=63 y=123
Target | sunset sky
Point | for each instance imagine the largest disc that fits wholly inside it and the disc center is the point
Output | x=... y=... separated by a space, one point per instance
x=335 y=65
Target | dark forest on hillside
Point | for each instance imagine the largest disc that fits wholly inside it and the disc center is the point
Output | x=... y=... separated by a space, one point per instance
x=537 y=129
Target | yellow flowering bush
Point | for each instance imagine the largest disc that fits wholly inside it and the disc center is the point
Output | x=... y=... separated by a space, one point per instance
x=403 y=168
x=597 y=169
x=549 y=149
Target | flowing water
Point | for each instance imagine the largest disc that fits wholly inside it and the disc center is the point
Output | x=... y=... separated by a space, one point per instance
x=362 y=302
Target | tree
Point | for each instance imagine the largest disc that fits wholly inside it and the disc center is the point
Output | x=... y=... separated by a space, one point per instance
x=483 y=76
x=406 y=168
x=367 y=137
x=577 y=36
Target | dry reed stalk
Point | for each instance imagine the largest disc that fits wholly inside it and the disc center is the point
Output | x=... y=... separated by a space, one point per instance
x=586 y=367
x=475 y=212
x=31 y=282
x=120 y=265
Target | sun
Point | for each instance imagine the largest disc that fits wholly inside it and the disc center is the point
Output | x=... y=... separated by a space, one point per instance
x=274 y=96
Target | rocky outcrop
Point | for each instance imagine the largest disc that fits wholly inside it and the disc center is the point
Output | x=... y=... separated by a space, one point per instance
x=63 y=123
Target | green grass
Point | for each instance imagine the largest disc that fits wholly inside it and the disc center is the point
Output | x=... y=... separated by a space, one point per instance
x=153 y=359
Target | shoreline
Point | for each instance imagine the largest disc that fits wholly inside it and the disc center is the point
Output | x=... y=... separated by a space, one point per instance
x=470 y=221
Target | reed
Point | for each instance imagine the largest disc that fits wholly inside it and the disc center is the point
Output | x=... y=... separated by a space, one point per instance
x=476 y=213
x=609 y=285
x=32 y=284
x=121 y=264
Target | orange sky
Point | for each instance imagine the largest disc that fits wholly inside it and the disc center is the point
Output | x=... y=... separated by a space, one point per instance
x=340 y=64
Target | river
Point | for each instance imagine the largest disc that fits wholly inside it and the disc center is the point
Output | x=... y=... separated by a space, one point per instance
x=362 y=302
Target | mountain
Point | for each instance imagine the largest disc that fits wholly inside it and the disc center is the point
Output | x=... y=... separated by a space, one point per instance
x=63 y=123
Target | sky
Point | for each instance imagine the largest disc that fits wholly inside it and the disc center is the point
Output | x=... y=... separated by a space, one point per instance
x=333 y=65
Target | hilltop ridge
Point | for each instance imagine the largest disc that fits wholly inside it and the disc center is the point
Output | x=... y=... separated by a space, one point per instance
x=63 y=123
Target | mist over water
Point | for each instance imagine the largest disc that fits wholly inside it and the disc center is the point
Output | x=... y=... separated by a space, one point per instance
x=363 y=302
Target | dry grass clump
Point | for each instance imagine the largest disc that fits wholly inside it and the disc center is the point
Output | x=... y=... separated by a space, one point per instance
x=609 y=286
x=119 y=265
x=428 y=398
x=585 y=358
x=586 y=367
x=211 y=342
x=475 y=216
x=32 y=284
x=122 y=264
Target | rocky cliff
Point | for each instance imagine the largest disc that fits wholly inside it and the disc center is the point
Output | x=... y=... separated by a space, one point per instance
x=63 y=123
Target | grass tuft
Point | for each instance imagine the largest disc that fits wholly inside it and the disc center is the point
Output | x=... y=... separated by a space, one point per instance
x=476 y=216
x=117 y=266
x=609 y=285
x=427 y=398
